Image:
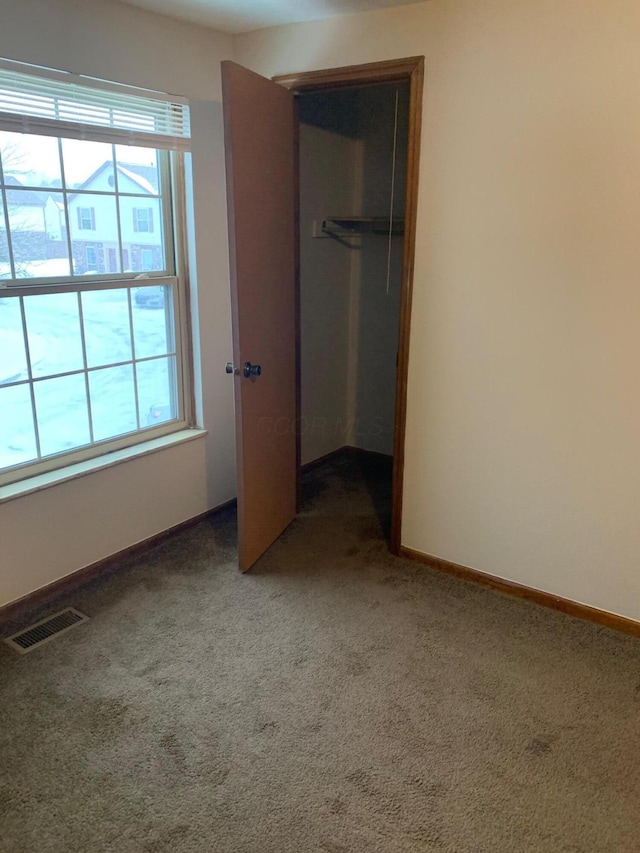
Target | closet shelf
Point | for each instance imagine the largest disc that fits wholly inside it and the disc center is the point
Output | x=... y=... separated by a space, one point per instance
x=347 y=225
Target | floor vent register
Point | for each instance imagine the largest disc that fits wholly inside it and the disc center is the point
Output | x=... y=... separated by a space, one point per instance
x=47 y=629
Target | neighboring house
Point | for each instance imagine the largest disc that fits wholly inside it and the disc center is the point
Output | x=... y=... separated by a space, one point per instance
x=38 y=227
x=94 y=223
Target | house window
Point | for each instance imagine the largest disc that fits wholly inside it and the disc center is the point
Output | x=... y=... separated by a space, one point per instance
x=143 y=220
x=91 y=361
x=86 y=219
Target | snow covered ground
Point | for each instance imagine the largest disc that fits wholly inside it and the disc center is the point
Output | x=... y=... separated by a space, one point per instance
x=54 y=267
x=62 y=403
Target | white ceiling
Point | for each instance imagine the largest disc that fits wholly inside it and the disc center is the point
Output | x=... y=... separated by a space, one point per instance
x=238 y=16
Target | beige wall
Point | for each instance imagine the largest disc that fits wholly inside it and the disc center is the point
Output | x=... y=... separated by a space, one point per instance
x=523 y=454
x=523 y=422
x=47 y=535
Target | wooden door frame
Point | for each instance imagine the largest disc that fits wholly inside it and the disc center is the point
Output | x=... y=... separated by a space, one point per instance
x=409 y=70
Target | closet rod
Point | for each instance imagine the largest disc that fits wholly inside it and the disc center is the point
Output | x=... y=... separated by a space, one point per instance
x=345 y=226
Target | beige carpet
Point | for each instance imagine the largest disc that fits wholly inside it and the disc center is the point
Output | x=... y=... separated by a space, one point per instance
x=335 y=699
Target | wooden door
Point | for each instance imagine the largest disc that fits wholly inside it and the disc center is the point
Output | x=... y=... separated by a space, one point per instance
x=261 y=162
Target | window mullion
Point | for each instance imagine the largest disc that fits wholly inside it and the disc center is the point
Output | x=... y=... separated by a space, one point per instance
x=168 y=222
x=133 y=357
x=27 y=350
x=139 y=196
x=116 y=188
x=176 y=249
x=67 y=219
x=168 y=248
x=5 y=208
x=82 y=283
x=85 y=367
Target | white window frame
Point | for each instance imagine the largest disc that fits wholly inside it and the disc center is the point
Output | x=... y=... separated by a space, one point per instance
x=172 y=197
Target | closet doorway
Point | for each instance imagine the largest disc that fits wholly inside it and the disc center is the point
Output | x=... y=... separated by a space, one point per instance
x=358 y=143
x=273 y=311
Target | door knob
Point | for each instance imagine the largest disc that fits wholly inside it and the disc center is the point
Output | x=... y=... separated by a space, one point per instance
x=251 y=369
x=229 y=368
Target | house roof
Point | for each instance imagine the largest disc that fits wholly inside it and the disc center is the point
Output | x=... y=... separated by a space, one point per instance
x=24 y=198
x=146 y=177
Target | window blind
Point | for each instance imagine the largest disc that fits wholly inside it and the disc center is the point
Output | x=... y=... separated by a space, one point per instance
x=40 y=100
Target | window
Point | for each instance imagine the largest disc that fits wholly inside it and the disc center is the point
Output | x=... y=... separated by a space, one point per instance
x=143 y=219
x=86 y=218
x=91 y=359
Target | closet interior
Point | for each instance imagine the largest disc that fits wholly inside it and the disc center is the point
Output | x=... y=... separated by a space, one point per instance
x=353 y=158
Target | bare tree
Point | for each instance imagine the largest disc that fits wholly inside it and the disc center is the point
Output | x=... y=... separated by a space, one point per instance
x=26 y=228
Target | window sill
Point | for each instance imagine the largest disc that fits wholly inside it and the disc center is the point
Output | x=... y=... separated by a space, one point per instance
x=90 y=466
